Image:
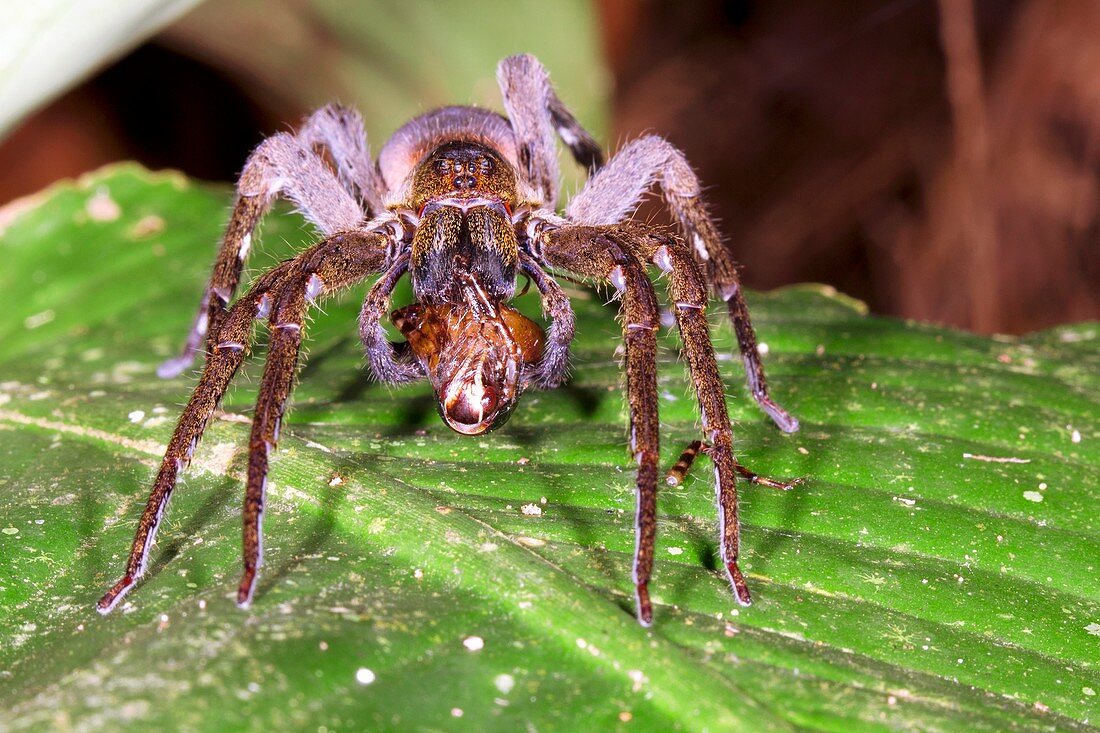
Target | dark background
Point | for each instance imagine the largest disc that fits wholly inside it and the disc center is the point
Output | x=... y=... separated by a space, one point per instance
x=936 y=159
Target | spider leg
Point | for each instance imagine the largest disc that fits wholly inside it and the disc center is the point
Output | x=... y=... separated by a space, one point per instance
x=552 y=369
x=597 y=252
x=340 y=130
x=688 y=291
x=283 y=165
x=321 y=273
x=235 y=335
x=679 y=470
x=233 y=338
x=613 y=194
x=535 y=113
x=384 y=361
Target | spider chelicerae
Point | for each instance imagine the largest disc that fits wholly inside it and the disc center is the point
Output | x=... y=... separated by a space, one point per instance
x=464 y=200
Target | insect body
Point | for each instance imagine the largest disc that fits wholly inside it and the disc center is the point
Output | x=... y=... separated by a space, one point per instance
x=463 y=201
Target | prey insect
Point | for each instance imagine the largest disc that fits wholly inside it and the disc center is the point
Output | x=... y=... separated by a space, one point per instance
x=463 y=201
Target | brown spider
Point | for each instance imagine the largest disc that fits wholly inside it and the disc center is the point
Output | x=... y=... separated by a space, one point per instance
x=464 y=200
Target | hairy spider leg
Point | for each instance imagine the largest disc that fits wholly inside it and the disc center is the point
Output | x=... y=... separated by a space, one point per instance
x=688 y=292
x=233 y=341
x=679 y=470
x=553 y=368
x=283 y=165
x=348 y=259
x=613 y=194
x=340 y=131
x=597 y=252
x=385 y=363
x=535 y=113
x=221 y=364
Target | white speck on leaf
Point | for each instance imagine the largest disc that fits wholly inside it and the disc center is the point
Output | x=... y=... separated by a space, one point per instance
x=1034 y=496
x=473 y=643
x=364 y=676
x=504 y=683
x=41 y=319
x=101 y=207
x=996 y=459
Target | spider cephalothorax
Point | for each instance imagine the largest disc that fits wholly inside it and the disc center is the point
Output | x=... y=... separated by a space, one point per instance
x=463 y=200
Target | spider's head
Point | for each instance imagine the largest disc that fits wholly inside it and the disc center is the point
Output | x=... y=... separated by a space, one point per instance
x=474 y=351
x=464 y=169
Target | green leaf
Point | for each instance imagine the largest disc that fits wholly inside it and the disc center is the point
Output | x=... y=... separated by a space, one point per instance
x=937 y=571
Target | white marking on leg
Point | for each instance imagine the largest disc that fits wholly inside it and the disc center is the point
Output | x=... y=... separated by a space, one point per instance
x=288 y=326
x=314 y=287
x=246 y=244
x=263 y=308
x=275 y=185
x=617 y=278
x=231 y=346
x=663 y=259
x=700 y=246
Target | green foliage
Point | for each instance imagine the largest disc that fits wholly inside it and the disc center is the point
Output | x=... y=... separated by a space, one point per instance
x=937 y=571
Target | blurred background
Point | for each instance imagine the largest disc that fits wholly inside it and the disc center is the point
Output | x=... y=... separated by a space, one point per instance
x=937 y=159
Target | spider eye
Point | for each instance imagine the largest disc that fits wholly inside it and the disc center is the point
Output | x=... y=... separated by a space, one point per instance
x=485 y=165
x=443 y=165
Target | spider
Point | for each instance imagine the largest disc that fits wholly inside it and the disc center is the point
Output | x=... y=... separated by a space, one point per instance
x=464 y=200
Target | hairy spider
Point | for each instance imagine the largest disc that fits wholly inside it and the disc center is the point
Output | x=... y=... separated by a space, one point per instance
x=464 y=200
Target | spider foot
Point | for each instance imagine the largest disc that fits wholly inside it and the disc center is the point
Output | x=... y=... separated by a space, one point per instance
x=737 y=582
x=246 y=588
x=110 y=599
x=755 y=478
x=645 y=607
x=783 y=419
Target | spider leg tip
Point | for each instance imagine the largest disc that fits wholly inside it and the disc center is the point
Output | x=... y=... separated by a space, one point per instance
x=645 y=607
x=245 y=590
x=111 y=598
x=787 y=423
x=738 y=584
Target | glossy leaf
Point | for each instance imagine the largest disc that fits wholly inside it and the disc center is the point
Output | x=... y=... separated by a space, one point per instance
x=937 y=570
